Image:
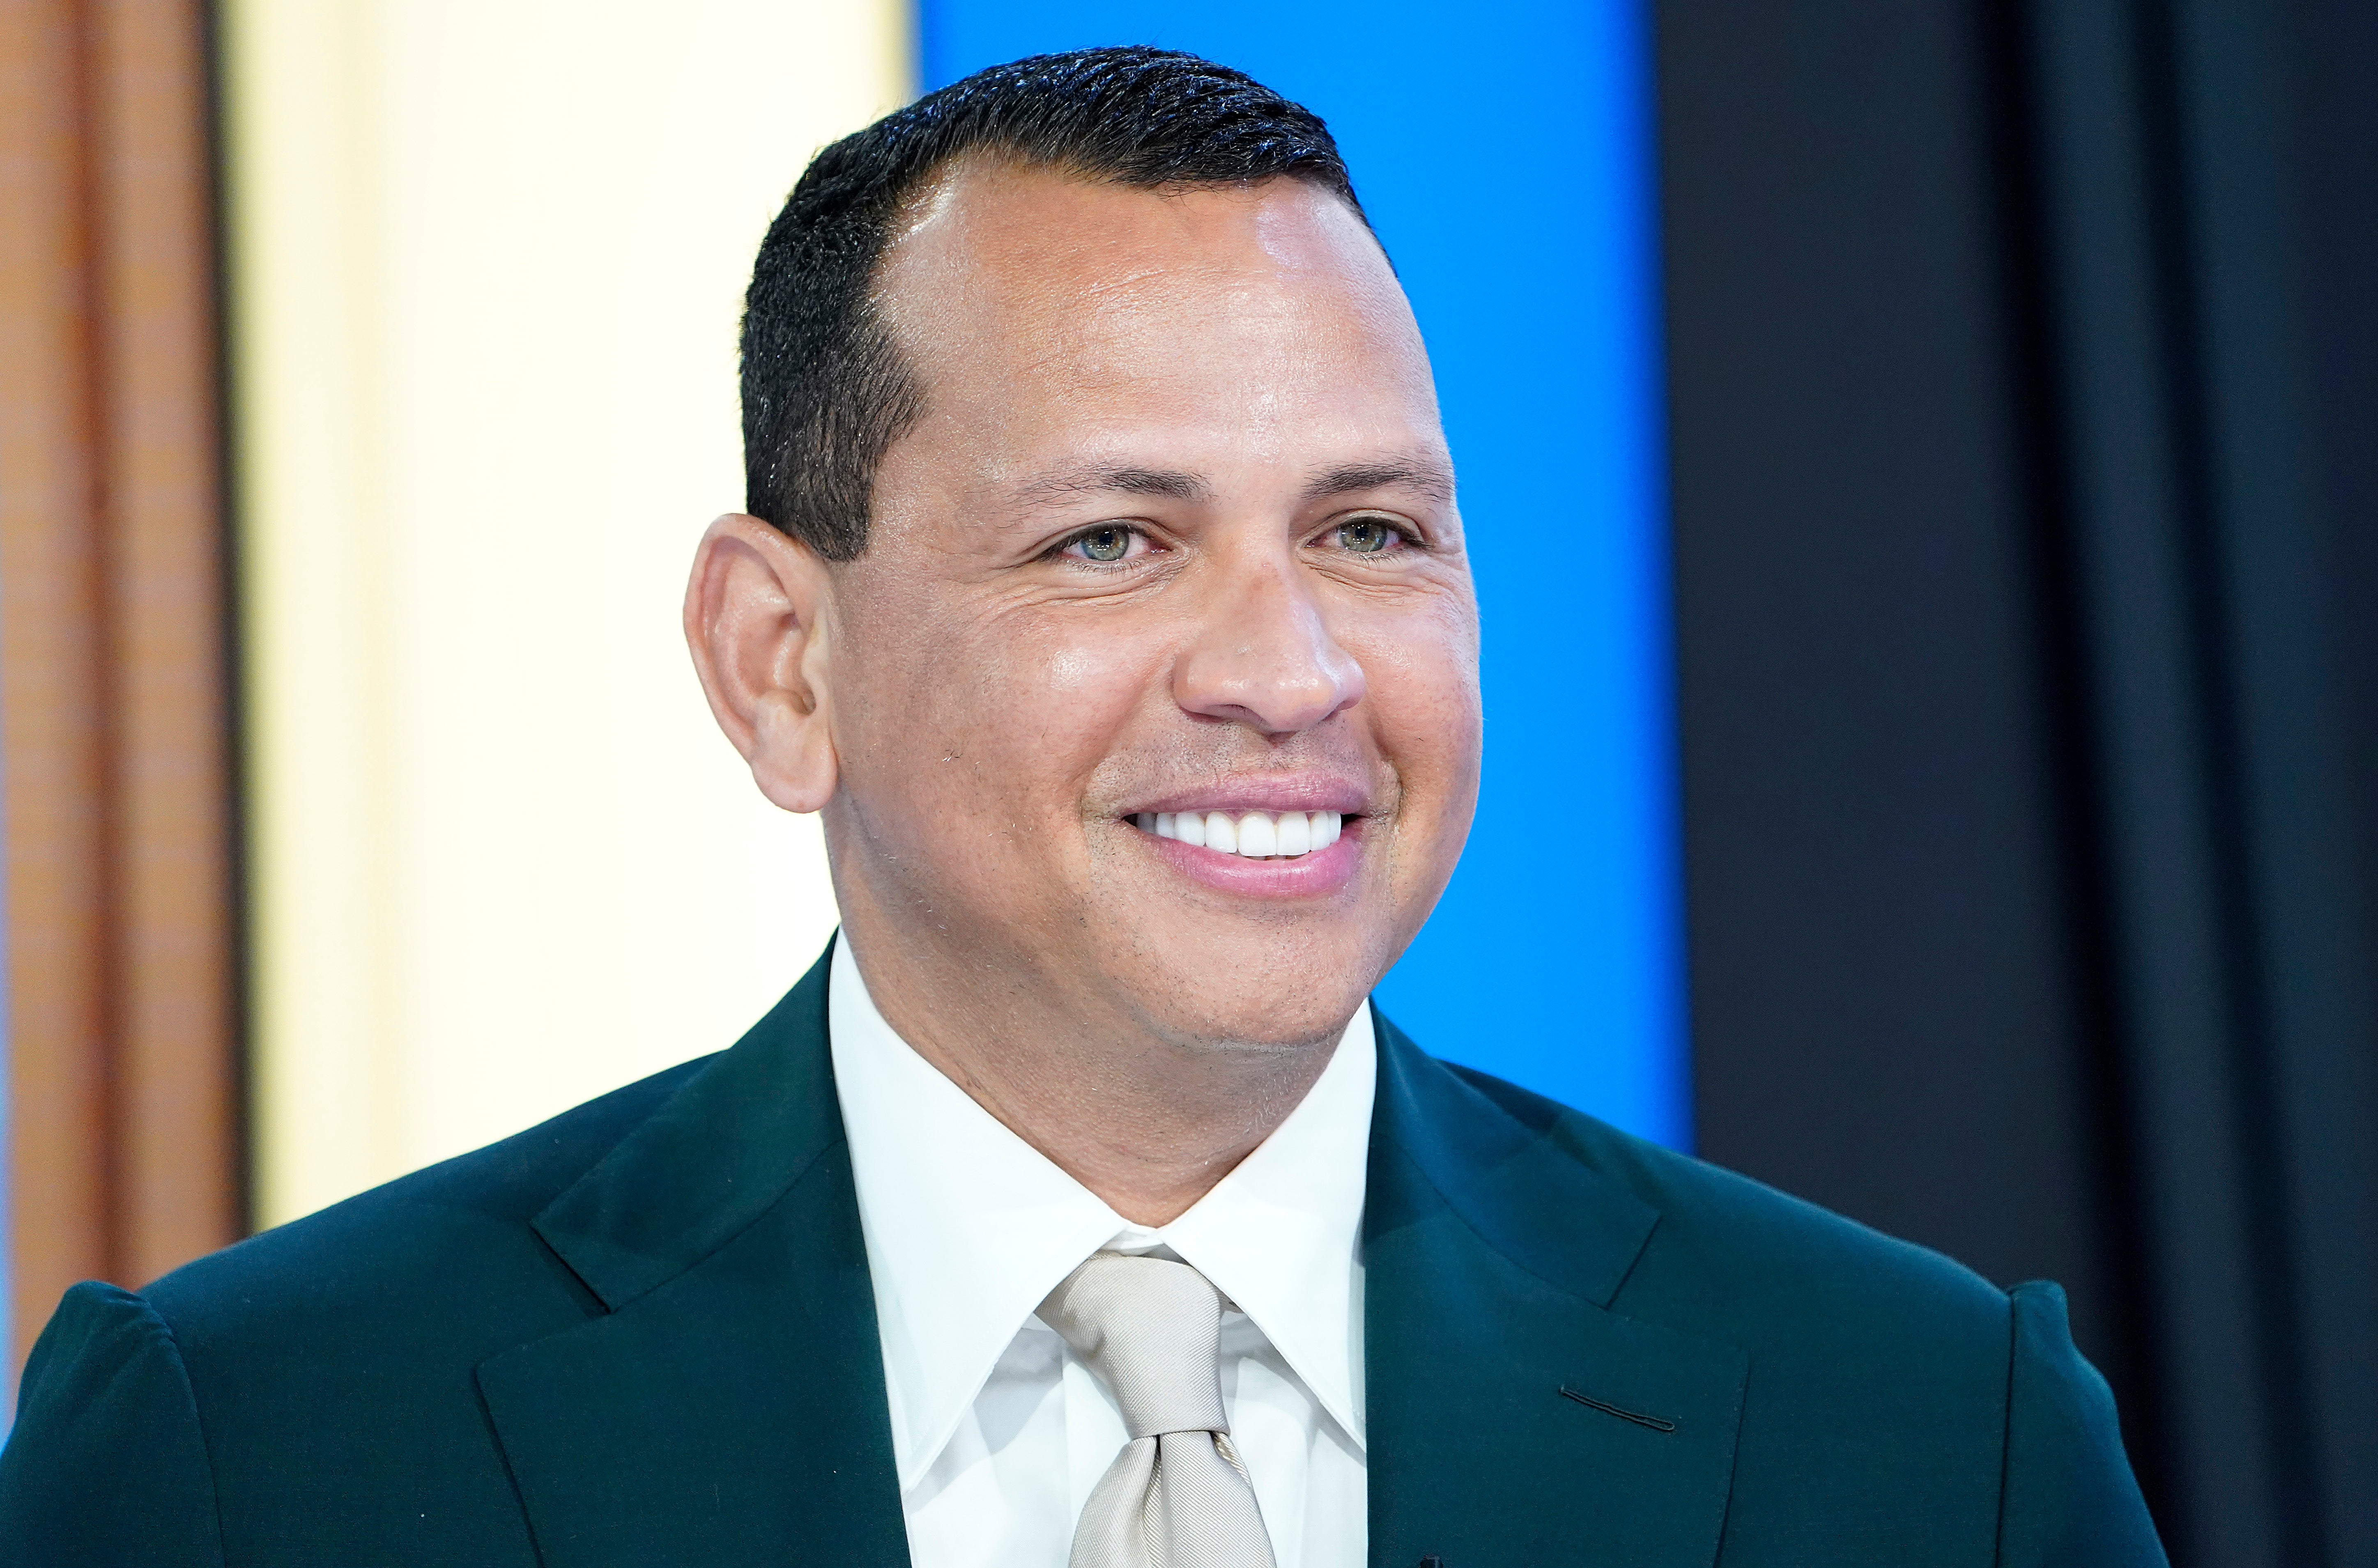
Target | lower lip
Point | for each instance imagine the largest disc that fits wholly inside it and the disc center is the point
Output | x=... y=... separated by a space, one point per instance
x=1317 y=875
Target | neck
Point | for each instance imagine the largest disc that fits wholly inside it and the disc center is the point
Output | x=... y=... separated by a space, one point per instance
x=1147 y=1123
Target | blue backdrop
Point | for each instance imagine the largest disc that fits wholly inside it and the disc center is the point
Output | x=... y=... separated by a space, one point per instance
x=1503 y=151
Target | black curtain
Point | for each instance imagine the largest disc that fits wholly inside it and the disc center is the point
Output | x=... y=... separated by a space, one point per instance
x=2024 y=369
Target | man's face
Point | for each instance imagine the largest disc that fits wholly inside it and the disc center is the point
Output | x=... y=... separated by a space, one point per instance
x=1174 y=539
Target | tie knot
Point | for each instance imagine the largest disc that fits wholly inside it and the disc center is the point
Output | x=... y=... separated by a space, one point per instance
x=1152 y=1330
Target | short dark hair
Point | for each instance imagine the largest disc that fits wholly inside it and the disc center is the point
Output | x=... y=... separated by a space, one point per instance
x=825 y=392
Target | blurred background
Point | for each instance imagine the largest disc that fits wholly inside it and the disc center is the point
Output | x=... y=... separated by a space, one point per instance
x=1922 y=460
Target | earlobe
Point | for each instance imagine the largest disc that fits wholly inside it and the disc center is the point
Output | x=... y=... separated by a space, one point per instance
x=793 y=763
x=754 y=609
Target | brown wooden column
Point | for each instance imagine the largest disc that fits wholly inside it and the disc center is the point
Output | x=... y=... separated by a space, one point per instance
x=124 y=1147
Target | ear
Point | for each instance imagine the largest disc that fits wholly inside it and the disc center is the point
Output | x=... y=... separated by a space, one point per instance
x=754 y=621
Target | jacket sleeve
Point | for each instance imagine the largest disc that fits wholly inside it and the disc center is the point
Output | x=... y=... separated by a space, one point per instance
x=2068 y=1498
x=107 y=1463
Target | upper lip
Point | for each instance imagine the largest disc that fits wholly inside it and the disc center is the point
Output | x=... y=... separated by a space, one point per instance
x=1267 y=792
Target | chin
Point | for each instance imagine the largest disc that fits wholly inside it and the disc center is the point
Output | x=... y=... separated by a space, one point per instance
x=1282 y=995
x=1295 y=1027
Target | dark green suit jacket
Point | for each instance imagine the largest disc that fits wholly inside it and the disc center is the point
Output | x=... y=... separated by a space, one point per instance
x=643 y=1334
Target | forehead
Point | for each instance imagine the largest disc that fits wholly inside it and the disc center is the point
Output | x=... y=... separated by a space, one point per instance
x=1023 y=296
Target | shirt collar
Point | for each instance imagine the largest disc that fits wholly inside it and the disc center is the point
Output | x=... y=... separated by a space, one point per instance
x=968 y=1226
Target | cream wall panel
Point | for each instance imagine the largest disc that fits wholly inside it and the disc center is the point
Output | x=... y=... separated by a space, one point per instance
x=487 y=264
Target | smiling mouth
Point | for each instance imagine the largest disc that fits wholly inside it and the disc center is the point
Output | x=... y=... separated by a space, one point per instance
x=1252 y=835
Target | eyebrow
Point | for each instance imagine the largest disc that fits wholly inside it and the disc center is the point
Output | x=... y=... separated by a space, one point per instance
x=1431 y=479
x=1099 y=478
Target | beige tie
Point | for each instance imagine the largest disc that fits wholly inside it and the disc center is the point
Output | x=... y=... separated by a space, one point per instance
x=1176 y=1496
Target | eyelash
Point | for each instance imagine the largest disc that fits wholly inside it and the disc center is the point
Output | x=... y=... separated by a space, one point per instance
x=1405 y=532
x=1057 y=552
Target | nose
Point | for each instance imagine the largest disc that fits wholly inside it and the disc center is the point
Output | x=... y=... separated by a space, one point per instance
x=1264 y=657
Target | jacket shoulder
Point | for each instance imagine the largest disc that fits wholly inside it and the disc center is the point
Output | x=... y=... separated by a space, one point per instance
x=1873 y=1423
x=1766 y=1262
x=107 y=1463
x=454 y=1234
x=331 y=1363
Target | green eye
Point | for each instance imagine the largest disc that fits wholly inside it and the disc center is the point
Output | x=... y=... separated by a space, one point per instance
x=1105 y=543
x=1365 y=535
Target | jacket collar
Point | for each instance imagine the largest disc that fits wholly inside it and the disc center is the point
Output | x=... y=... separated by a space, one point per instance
x=1514 y=1416
x=710 y=1161
x=727 y=1407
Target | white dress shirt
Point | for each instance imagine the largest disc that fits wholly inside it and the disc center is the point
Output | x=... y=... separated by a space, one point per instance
x=1000 y=1432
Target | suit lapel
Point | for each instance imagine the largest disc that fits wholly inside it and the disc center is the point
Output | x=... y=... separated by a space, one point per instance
x=727 y=1407
x=1492 y=1254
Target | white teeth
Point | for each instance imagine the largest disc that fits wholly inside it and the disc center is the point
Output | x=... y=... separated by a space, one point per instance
x=1256 y=835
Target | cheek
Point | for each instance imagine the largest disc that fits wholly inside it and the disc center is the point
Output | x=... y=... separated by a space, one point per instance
x=1423 y=677
x=1017 y=716
x=1065 y=695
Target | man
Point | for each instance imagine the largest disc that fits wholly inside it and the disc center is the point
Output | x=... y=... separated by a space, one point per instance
x=1110 y=603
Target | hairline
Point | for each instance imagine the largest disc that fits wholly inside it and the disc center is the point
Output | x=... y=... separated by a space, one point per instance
x=906 y=216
